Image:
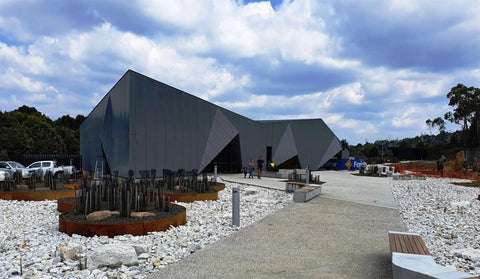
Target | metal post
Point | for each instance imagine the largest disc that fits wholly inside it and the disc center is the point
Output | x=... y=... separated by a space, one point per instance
x=215 y=173
x=307 y=176
x=235 y=206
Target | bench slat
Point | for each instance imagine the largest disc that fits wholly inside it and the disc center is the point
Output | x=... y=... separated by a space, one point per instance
x=422 y=246
x=404 y=243
x=407 y=243
x=393 y=244
x=415 y=248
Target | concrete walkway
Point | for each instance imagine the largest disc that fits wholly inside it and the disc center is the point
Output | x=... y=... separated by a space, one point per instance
x=342 y=185
x=340 y=234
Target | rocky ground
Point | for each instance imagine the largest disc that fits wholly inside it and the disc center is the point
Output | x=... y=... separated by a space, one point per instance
x=447 y=216
x=30 y=243
x=32 y=246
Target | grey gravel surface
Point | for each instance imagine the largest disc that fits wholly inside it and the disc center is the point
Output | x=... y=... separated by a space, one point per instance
x=322 y=238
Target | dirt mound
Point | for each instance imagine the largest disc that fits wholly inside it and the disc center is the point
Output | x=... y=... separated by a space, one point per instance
x=418 y=165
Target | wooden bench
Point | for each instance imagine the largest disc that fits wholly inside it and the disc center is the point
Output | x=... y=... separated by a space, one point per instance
x=411 y=259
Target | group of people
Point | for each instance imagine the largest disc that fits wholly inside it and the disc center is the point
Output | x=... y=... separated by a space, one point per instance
x=251 y=168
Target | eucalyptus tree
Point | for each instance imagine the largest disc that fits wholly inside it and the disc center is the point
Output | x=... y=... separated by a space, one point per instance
x=466 y=104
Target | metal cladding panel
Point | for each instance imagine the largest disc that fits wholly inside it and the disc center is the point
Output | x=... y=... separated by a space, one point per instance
x=194 y=130
x=251 y=135
x=90 y=146
x=286 y=148
x=120 y=98
x=91 y=129
x=106 y=134
x=138 y=145
x=334 y=147
x=186 y=130
x=169 y=119
x=178 y=131
x=205 y=122
x=221 y=133
x=142 y=104
x=313 y=139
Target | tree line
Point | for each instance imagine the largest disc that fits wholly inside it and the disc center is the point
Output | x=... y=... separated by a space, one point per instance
x=28 y=131
x=465 y=104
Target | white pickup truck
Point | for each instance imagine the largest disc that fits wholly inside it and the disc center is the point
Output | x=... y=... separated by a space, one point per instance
x=58 y=171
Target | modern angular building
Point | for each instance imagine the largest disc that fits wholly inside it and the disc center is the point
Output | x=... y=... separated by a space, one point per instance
x=143 y=124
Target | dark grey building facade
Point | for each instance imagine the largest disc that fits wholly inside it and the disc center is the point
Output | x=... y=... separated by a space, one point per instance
x=143 y=124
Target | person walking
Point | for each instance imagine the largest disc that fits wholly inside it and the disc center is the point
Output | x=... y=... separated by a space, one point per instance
x=251 y=166
x=260 y=163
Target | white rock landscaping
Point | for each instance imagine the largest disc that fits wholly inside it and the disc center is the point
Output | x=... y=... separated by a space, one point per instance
x=31 y=243
x=447 y=218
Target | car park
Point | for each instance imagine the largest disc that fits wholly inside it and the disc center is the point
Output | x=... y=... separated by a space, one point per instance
x=11 y=167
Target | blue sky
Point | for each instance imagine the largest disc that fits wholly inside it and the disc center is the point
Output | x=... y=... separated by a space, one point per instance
x=371 y=70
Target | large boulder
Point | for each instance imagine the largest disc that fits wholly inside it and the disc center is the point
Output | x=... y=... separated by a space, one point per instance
x=99 y=215
x=113 y=255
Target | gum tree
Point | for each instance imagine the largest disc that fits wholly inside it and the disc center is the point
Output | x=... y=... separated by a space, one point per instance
x=438 y=122
x=465 y=102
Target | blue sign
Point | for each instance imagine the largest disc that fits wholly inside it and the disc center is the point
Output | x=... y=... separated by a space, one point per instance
x=350 y=164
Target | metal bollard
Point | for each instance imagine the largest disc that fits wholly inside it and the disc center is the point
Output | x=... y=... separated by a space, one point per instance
x=215 y=173
x=235 y=206
x=307 y=176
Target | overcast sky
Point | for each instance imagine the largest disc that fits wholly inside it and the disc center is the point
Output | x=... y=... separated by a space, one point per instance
x=371 y=70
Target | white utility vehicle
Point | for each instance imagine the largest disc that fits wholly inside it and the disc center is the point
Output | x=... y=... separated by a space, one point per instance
x=57 y=171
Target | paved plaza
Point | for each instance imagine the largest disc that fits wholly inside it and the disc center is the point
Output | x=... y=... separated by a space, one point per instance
x=340 y=234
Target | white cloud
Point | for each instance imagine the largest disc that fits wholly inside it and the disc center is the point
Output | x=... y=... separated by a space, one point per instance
x=349 y=93
x=180 y=13
x=403 y=86
x=20 y=59
x=314 y=105
x=12 y=79
x=354 y=128
x=295 y=32
x=107 y=46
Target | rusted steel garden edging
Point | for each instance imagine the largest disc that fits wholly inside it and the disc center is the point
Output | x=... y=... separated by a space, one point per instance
x=132 y=227
x=112 y=229
x=191 y=197
x=40 y=195
x=36 y=195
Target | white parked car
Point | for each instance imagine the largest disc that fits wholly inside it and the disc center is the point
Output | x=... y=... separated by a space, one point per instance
x=11 y=167
x=3 y=175
x=44 y=166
